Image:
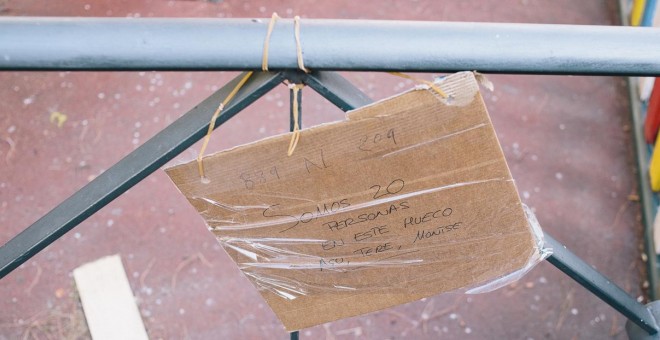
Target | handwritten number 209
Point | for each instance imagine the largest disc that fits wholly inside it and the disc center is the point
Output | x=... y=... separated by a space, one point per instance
x=393 y=188
x=367 y=142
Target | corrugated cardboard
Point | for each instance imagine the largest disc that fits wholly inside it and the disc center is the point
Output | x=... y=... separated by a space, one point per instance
x=408 y=198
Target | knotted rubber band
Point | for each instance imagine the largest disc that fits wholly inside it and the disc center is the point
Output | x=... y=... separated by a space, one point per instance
x=295 y=137
x=431 y=84
x=216 y=114
x=299 y=55
x=296 y=33
x=271 y=26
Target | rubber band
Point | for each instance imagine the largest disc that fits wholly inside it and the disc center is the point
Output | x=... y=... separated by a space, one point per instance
x=431 y=84
x=216 y=114
x=296 y=32
x=271 y=26
x=295 y=137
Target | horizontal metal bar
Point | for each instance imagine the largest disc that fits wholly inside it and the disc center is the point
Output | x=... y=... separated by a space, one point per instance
x=34 y=43
x=600 y=286
x=137 y=165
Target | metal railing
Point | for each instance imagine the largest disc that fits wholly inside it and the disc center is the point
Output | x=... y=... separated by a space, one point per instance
x=329 y=45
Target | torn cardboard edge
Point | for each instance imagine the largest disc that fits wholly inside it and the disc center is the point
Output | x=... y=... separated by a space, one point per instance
x=456 y=96
x=407 y=198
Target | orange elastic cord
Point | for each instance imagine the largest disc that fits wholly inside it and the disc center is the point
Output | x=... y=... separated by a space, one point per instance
x=299 y=54
x=431 y=84
x=264 y=57
x=295 y=136
x=216 y=114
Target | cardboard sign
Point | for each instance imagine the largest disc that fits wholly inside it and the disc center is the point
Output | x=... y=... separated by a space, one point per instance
x=407 y=198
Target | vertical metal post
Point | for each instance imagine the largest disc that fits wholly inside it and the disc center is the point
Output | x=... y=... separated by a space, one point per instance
x=647 y=201
x=295 y=334
x=291 y=118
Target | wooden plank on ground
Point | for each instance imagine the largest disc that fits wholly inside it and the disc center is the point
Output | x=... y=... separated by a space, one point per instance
x=108 y=301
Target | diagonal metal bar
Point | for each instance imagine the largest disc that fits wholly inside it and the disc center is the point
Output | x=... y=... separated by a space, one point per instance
x=137 y=165
x=337 y=90
x=600 y=286
x=561 y=258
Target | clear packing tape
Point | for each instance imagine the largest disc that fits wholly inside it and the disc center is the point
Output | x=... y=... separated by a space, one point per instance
x=407 y=198
x=282 y=265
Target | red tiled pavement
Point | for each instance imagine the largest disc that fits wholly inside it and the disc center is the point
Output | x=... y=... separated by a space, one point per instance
x=566 y=140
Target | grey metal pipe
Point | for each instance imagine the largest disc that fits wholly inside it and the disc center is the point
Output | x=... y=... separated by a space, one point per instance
x=356 y=45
